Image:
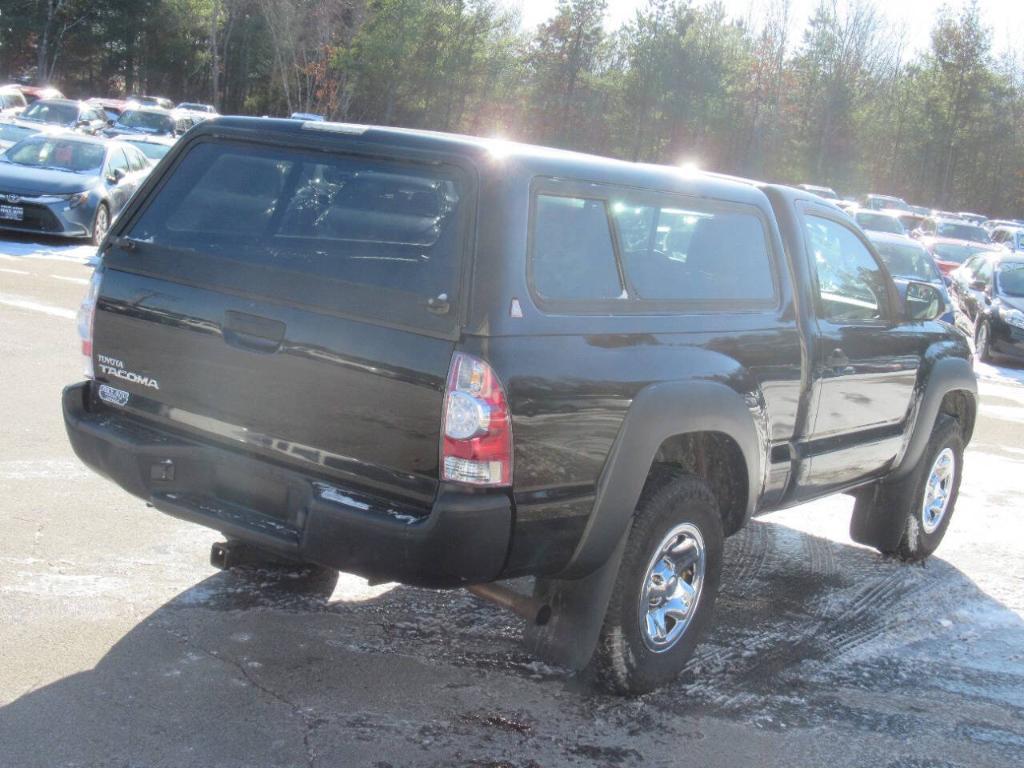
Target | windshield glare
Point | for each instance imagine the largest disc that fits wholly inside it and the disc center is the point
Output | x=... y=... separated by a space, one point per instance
x=907 y=261
x=152 y=151
x=1011 y=279
x=63 y=154
x=13 y=132
x=880 y=223
x=54 y=114
x=955 y=253
x=963 y=232
x=151 y=121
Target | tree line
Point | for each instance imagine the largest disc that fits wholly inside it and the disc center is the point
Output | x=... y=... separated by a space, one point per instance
x=844 y=104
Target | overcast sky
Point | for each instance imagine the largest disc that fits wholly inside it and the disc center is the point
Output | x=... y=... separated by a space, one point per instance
x=915 y=16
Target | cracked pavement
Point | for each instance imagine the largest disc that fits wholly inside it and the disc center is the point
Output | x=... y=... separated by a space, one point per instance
x=121 y=646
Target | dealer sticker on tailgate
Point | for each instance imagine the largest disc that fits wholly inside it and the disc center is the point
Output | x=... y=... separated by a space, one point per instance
x=109 y=394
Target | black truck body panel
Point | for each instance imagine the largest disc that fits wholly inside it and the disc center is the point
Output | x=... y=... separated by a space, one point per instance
x=323 y=397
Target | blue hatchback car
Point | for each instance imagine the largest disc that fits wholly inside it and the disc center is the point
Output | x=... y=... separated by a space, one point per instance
x=67 y=185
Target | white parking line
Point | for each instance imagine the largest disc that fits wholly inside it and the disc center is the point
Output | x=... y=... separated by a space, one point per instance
x=14 y=271
x=79 y=280
x=34 y=306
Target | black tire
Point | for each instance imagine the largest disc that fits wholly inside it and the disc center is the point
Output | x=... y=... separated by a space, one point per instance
x=905 y=499
x=100 y=224
x=983 y=342
x=624 y=663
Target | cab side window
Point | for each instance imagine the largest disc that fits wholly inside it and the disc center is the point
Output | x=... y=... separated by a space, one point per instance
x=136 y=160
x=117 y=161
x=851 y=285
x=983 y=272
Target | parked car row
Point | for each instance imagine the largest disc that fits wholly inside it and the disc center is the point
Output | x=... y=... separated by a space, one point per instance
x=69 y=184
x=68 y=167
x=977 y=263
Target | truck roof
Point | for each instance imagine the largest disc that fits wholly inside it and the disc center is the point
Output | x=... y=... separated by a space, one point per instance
x=533 y=159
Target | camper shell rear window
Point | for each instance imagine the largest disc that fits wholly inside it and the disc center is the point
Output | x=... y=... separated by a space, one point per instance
x=355 y=235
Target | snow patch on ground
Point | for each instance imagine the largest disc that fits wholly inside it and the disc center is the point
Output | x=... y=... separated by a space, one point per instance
x=66 y=584
x=36 y=469
x=999 y=373
x=11 y=250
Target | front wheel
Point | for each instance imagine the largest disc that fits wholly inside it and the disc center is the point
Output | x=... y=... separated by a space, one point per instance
x=983 y=342
x=100 y=224
x=922 y=503
x=664 y=595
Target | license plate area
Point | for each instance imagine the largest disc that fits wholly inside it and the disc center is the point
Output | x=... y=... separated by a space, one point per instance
x=12 y=212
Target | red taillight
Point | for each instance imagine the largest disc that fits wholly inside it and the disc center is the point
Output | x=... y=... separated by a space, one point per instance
x=86 y=315
x=477 y=443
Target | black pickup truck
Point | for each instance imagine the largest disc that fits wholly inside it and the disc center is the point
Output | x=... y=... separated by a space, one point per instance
x=450 y=361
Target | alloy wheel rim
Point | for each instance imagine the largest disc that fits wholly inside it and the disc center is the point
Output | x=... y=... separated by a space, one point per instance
x=101 y=223
x=671 y=587
x=938 y=490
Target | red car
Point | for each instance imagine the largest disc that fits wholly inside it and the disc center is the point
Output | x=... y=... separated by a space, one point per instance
x=113 y=108
x=952 y=241
x=33 y=93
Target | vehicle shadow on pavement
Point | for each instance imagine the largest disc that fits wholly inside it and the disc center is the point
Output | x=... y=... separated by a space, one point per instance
x=810 y=634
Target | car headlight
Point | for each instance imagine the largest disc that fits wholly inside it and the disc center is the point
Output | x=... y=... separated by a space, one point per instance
x=1012 y=316
x=76 y=199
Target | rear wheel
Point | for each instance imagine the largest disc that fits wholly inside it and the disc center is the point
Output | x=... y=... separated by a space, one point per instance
x=983 y=342
x=665 y=591
x=100 y=224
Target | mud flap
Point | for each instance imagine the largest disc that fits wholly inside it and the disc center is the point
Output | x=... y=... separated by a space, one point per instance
x=877 y=521
x=578 y=607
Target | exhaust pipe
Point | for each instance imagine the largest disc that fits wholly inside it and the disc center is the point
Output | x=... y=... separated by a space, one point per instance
x=535 y=611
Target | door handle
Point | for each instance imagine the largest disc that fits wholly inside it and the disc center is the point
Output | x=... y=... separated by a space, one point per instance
x=252 y=332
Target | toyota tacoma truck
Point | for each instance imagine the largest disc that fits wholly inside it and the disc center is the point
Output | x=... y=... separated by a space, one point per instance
x=450 y=362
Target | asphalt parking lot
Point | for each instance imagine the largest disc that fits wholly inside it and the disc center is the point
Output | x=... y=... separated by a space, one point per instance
x=121 y=646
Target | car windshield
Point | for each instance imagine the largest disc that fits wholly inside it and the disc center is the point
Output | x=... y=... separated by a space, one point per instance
x=52 y=113
x=1011 y=278
x=59 y=154
x=880 y=223
x=151 y=150
x=892 y=202
x=908 y=260
x=146 y=121
x=823 y=192
x=962 y=232
x=955 y=253
x=11 y=132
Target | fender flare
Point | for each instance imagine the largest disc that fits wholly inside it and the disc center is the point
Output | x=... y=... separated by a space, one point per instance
x=579 y=595
x=659 y=412
x=949 y=374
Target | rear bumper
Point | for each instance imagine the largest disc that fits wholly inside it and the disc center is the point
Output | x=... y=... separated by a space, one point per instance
x=463 y=539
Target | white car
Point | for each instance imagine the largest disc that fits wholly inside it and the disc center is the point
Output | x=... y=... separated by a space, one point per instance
x=1011 y=238
x=12 y=101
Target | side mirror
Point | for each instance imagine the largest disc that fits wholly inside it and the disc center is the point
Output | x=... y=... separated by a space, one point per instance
x=116 y=176
x=923 y=302
x=111 y=123
x=916 y=232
